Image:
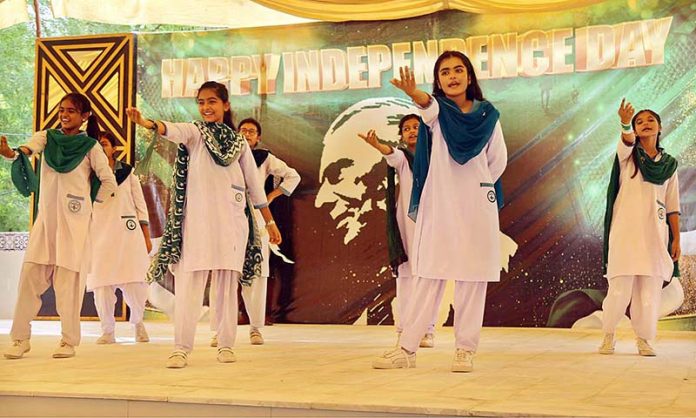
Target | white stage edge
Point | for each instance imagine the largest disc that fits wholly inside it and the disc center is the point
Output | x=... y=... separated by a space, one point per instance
x=324 y=370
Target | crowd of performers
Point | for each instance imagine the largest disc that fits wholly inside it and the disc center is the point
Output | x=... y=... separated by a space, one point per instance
x=442 y=221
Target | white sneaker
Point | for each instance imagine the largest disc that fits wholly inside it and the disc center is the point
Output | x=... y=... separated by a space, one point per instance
x=64 y=350
x=106 y=339
x=226 y=355
x=140 y=333
x=428 y=341
x=255 y=337
x=397 y=358
x=644 y=348
x=17 y=349
x=608 y=344
x=213 y=341
x=177 y=360
x=463 y=361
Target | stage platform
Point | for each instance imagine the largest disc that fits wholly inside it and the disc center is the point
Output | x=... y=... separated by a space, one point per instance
x=325 y=370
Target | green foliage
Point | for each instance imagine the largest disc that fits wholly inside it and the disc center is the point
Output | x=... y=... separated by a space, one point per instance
x=17 y=49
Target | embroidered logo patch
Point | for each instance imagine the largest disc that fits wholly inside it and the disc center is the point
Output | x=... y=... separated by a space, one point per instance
x=661 y=213
x=491 y=196
x=130 y=224
x=74 y=205
x=238 y=197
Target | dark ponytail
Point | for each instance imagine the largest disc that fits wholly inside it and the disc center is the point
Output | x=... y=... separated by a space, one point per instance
x=222 y=93
x=93 y=127
x=83 y=104
x=657 y=143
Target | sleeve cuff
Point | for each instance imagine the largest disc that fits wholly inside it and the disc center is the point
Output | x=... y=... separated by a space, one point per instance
x=261 y=206
x=143 y=222
x=285 y=191
x=12 y=158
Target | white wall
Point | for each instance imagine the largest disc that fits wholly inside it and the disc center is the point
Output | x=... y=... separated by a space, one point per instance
x=12 y=246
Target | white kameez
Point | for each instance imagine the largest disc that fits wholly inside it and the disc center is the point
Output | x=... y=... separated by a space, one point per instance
x=119 y=254
x=118 y=245
x=60 y=231
x=397 y=160
x=255 y=295
x=215 y=227
x=639 y=232
x=215 y=234
x=457 y=235
x=405 y=282
x=289 y=180
x=639 y=258
x=58 y=241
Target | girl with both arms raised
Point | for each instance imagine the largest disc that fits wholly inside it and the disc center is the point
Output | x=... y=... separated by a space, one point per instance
x=72 y=165
x=120 y=247
x=455 y=201
x=207 y=230
x=400 y=227
x=641 y=228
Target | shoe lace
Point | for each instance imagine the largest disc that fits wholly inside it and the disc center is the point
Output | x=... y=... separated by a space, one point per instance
x=462 y=355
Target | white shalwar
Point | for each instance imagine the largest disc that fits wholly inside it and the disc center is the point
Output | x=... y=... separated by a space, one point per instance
x=639 y=260
x=215 y=233
x=119 y=254
x=457 y=235
x=58 y=240
x=405 y=281
x=255 y=295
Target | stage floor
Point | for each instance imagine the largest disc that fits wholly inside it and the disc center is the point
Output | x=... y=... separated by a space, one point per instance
x=325 y=370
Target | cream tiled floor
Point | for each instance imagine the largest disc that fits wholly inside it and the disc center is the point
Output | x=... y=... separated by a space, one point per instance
x=324 y=370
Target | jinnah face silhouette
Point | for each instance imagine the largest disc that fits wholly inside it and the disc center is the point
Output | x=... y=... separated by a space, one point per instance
x=348 y=187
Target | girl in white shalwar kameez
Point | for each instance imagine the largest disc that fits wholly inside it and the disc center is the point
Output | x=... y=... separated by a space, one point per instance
x=400 y=161
x=455 y=202
x=58 y=241
x=254 y=296
x=120 y=247
x=641 y=240
x=214 y=226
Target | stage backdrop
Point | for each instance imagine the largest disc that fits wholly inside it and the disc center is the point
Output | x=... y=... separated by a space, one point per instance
x=557 y=79
x=103 y=69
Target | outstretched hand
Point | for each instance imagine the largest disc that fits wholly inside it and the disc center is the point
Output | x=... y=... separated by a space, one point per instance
x=406 y=81
x=626 y=112
x=5 y=149
x=371 y=138
x=135 y=116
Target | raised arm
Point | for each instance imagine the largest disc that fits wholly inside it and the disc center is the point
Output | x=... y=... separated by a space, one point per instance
x=628 y=136
x=407 y=83
x=179 y=133
x=36 y=144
